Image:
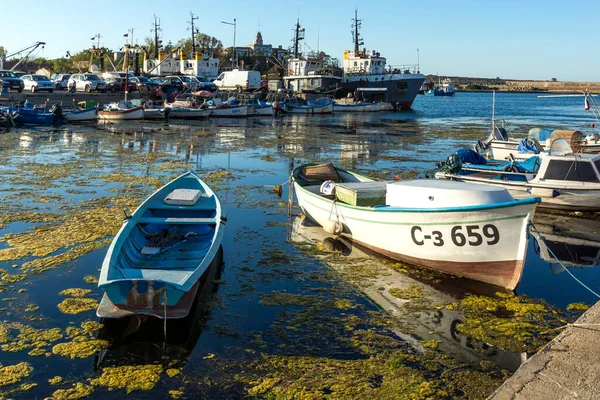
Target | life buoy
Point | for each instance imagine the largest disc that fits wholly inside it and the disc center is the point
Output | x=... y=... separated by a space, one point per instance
x=291 y=72
x=361 y=72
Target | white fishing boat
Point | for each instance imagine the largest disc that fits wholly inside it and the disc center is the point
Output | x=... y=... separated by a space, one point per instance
x=224 y=110
x=189 y=113
x=478 y=232
x=121 y=111
x=155 y=114
x=501 y=144
x=565 y=181
x=308 y=109
x=89 y=114
x=361 y=107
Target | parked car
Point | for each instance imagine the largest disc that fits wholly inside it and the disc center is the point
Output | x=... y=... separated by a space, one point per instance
x=116 y=84
x=60 y=81
x=13 y=82
x=86 y=82
x=117 y=74
x=187 y=82
x=171 y=82
x=205 y=84
x=37 y=83
x=151 y=84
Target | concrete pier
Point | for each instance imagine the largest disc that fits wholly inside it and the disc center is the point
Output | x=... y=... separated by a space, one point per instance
x=566 y=368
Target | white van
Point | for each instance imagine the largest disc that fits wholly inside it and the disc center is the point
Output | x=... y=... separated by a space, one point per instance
x=238 y=80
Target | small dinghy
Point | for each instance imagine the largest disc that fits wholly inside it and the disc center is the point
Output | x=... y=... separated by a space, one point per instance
x=474 y=231
x=155 y=261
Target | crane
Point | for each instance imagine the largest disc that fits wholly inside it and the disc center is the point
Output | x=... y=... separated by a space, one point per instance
x=29 y=49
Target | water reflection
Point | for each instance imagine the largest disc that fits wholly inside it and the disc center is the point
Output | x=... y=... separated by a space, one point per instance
x=140 y=340
x=427 y=323
x=572 y=242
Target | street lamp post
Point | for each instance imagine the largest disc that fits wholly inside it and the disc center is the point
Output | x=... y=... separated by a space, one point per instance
x=233 y=56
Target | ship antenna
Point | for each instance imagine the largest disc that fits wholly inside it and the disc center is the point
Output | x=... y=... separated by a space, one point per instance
x=355 y=32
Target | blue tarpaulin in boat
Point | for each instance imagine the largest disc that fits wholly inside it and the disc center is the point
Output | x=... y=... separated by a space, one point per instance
x=471 y=156
x=540 y=134
x=531 y=165
x=526 y=145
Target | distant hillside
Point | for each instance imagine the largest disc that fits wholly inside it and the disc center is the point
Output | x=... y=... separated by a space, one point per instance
x=513 y=85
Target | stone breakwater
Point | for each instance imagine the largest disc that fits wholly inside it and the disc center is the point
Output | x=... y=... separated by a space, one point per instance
x=547 y=86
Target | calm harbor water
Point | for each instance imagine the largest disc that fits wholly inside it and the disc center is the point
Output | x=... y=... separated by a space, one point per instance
x=287 y=296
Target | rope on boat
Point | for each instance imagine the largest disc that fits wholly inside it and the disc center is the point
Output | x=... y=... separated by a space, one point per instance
x=541 y=238
x=165 y=319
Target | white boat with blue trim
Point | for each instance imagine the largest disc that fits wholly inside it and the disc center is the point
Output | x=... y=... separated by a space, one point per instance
x=156 y=259
x=474 y=231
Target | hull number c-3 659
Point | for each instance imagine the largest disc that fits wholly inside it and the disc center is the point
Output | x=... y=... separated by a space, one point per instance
x=472 y=235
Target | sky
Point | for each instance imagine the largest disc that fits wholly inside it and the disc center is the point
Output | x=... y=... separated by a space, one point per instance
x=524 y=39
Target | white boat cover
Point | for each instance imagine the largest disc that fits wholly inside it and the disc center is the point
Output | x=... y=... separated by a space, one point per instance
x=436 y=193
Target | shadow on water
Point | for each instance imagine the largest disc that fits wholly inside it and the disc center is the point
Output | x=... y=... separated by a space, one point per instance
x=137 y=340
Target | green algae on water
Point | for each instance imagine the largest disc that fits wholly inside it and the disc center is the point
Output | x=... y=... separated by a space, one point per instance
x=129 y=377
x=78 y=391
x=80 y=347
x=77 y=305
x=14 y=373
x=91 y=279
x=511 y=322
x=75 y=292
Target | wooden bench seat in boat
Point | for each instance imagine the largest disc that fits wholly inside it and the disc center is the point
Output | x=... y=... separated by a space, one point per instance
x=178 y=221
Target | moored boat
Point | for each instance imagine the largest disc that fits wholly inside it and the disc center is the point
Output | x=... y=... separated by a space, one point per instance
x=121 y=111
x=189 y=113
x=88 y=114
x=39 y=115
x=478 y=232
x=308 y=109
x=361 y=107
x=564 y=180
x=230 y=111
x=159 y=254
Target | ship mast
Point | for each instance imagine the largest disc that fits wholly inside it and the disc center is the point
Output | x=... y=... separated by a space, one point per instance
x=355 y=32
x=297 y=38
x=156 y=42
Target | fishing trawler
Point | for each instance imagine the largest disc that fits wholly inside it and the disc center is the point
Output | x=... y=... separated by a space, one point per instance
x=362 y=69
x=368 y=69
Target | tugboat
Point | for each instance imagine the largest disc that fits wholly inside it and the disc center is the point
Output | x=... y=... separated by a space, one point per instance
x=367 y=69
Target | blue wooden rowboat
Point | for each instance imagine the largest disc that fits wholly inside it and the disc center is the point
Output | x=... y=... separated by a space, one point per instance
x=51 y=116
x=155 y=261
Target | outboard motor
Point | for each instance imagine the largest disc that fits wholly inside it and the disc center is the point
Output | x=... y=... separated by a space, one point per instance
x=56 y=109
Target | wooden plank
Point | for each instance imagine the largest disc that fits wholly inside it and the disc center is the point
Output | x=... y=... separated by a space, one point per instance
x=179 y=221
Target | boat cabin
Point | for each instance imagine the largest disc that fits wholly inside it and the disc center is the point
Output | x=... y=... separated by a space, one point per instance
x=576 y=168
x=365 y=62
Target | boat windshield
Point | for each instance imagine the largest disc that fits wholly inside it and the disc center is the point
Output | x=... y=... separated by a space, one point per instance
x=560 y=147
x=7 y=74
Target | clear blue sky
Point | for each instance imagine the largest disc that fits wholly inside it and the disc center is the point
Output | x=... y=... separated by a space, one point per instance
x=521 y=39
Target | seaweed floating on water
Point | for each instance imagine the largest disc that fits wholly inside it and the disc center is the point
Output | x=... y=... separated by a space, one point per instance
x=78 y=391
x=75 y=292
x=511 y=322
x=80 y=347
x=91 y=279
x=129 y=377
x=77 y=305
x=14 y=373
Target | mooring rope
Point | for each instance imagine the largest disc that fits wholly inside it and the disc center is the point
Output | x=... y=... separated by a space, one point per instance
x=541 y=238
